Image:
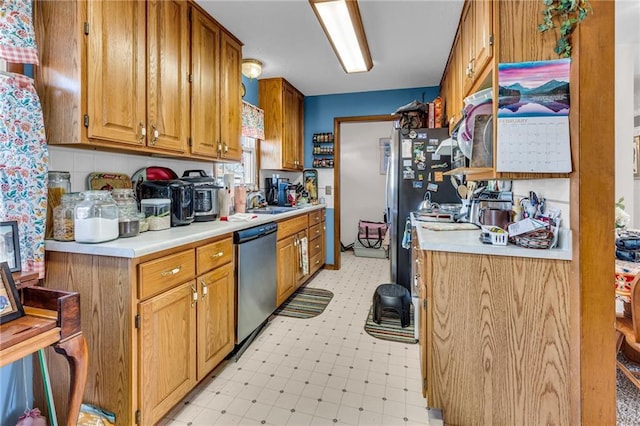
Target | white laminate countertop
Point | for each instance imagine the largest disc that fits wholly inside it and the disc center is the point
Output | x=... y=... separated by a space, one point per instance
x=154 y=241
x=469 y=242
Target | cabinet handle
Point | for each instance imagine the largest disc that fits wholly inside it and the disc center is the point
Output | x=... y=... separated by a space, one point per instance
x=317 y=261
x=219 y=146
x=218 y=254
x=171 y=271
x=194 y=294
x=226 y=147
x=317 y=231
x=205 y=288
x=156 y=134
x=317 y=245
x=143 y=133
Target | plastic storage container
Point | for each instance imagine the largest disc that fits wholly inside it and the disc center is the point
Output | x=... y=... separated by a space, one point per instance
x=63 y=221
x=158 y=212
x=128 y=220
x=59 y=183
x=96 y=218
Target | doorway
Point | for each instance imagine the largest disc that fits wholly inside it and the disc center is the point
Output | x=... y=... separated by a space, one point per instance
x=373 y=128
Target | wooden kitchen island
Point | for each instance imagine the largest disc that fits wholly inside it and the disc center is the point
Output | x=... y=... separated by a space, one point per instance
x=494 y=323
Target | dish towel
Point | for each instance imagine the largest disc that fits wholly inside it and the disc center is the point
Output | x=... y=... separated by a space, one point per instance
x=406 y=237
x=304 y=255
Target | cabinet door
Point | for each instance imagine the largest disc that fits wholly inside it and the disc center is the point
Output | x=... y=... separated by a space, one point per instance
x=216 y=315
x=230 y=99
x=290 y=119
x=116 y=95
x=287 y=260
x=167 y=75
x=167 y=350
x=467 y=45
x=205 y=105
x=483 y=30
x=298 y=131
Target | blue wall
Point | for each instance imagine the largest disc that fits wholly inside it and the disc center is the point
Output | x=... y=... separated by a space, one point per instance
x=320 y=111
x=251 y=86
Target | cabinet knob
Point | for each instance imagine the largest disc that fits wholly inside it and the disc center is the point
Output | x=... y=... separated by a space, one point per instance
x=143 y=133
x=156 y=134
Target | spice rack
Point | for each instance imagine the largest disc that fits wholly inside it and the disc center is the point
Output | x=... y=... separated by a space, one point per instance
x=323 y=150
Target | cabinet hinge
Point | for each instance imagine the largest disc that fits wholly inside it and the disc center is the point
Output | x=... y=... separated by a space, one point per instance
x=190 y=78
x=86 y=28
x=190 y=141
x=424 y=383
x=138 y=417
x=189 y=14
x=491 y=40
x=424 y=303
x=86 y=120
x=137 y=321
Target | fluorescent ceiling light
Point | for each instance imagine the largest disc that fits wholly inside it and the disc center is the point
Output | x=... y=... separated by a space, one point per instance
x=341 y=22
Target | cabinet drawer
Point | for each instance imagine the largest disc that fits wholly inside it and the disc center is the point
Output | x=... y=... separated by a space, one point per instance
x=161 y=274
x=315 y=262
x=214 y=254
x=315 y=217
x=291 y=226
x=315 y=231
x=315 y=247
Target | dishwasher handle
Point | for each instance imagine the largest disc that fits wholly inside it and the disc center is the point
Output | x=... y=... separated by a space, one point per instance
x=246 y=235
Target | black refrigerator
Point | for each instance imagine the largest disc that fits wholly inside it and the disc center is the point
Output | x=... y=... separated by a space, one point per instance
x=414 y=169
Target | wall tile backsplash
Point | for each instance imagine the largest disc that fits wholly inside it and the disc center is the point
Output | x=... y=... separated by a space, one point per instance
x=81 y=162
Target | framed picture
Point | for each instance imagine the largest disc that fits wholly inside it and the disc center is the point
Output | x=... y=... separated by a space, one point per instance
x=10 y=306
x=636 y=157
x=385 y=153
x=10 y=245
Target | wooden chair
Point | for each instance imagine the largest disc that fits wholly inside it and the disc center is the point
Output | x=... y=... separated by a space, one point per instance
x=628 y=331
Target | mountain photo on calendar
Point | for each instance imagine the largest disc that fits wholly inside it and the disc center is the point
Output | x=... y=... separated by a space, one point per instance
x=534 y=89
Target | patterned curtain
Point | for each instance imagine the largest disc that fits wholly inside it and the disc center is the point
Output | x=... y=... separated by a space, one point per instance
x=252 y=121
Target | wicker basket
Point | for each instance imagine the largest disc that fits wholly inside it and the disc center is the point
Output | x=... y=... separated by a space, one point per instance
x=539 y=239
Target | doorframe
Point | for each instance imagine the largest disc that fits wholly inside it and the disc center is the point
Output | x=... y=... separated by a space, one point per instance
x=337 y=122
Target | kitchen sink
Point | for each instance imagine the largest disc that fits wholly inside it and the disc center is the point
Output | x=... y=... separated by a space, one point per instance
x=272 y=210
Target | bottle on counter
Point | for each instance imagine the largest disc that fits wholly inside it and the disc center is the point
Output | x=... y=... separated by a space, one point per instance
x=96 y=218
x=63 y=221
x=128 y=219
x=59 y=183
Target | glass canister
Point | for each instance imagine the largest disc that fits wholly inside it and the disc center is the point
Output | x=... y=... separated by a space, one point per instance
x=63 y=223
x=96 y=218
x=58 y=183
x=128 y=219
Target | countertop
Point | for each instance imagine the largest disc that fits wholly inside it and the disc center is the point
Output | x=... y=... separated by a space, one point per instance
x=468 y=242
x=154 y=241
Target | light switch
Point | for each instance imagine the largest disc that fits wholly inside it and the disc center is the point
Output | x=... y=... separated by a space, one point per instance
x=327 y=190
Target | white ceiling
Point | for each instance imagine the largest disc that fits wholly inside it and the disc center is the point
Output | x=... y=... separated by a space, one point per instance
x=409 y=42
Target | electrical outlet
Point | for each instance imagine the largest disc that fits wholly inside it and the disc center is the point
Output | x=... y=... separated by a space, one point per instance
x=327 y=190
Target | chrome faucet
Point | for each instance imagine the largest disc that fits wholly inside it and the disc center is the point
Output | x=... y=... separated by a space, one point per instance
x=255 y=199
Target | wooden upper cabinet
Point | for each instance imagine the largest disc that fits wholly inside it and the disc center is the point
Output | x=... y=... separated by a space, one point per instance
x=115 y=61
x=283 y=107
x=476 y=32
x=205 y=110
x=216 y=61
x=167 y=75
x=231 y=98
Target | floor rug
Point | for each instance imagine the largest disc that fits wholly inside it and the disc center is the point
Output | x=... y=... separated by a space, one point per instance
x=628 y=396
x=305 y=303
x=390 y=328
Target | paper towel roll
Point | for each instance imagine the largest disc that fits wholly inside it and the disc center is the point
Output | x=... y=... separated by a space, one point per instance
x=229 y=182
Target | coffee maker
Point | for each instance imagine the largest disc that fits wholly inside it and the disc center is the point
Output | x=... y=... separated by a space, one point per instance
x=271 y=189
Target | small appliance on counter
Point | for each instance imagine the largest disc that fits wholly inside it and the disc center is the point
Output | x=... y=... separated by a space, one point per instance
x=491 y=208
x=206 y=189
x=271 y=189
x=180 y=192
x=283 y=192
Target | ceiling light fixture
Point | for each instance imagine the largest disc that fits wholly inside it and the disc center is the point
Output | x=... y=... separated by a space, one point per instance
x=251 y=68
x=341 y=22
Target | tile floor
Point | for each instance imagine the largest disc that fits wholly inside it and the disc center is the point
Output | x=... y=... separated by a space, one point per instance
x=321 y=371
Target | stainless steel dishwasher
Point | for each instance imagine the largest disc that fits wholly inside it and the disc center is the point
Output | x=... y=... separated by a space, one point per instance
x=256 y=281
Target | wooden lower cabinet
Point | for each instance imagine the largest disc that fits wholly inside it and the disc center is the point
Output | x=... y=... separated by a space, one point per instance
x=216 y=318
x=495 y=336
x=154 y=325
x=286 y=259
x=167 y=350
